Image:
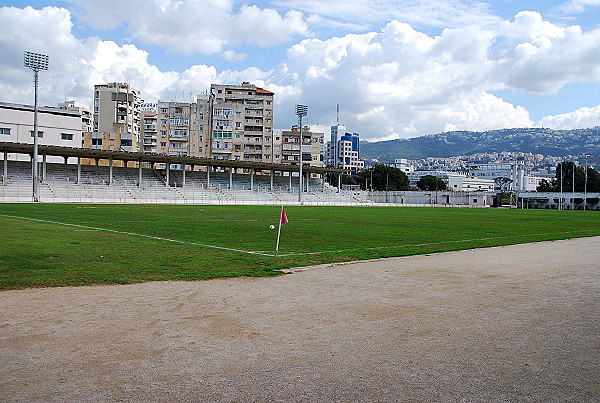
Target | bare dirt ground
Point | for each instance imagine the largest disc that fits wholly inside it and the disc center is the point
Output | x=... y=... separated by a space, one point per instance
x=514 y=323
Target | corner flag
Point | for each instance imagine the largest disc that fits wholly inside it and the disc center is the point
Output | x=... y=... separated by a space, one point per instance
x=282 y=220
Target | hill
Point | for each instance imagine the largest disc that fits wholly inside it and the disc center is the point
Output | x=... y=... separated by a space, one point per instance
x=550 y=142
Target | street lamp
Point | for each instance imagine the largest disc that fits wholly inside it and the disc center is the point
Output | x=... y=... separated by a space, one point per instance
x=36 y=62
x=301 y=110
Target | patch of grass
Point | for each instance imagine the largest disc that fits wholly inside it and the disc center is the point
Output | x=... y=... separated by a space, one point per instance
x=41 y=254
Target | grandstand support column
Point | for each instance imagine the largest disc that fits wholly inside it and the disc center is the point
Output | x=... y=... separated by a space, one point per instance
x=231 y=178
x=272 y=176
x=44 y=159
x=307 y=179
x=183 y=168
x=290 y=185
x=78 y=169
x=251 y=179
x=110 y=171
x=207 y=175
x=168 y=174
x=139 y=172
x=323 y=183
x=5 y=164
x=339 y=183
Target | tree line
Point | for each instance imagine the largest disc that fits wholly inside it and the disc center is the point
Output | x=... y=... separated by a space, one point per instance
x=381 y=177
x=567 y=175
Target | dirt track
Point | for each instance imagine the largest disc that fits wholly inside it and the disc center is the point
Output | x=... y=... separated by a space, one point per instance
x=516 y=323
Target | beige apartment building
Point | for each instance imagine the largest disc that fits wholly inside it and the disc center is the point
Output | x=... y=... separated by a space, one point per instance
x=311 y=146
x=176 y=129
x=116 y=112
x=235 y=122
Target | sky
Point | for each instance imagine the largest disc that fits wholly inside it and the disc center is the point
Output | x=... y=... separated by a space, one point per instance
x=396 y=68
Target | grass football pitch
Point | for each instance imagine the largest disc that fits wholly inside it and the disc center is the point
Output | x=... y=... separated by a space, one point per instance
x=69 y=244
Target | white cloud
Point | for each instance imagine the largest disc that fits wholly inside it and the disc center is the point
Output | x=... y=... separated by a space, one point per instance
x=77 y=65
x=190 y=26
x=369 y=14
x=579 y=119
x=397 y=83
x=578 y=6
x=232 y=56
x=538 y=56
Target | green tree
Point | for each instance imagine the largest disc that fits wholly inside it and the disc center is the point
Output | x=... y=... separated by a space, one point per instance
x=430 y=182
x=565 y=170
x=383 y=177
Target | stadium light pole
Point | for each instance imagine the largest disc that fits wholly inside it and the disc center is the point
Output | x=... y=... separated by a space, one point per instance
x=36 y=62
x=301 y=110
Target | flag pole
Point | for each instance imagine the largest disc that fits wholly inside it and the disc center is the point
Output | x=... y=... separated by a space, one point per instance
x=281 y=217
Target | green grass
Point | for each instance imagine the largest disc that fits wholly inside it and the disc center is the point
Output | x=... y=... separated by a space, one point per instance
x=41 y=254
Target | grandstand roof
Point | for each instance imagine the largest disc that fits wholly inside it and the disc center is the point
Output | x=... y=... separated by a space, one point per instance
x=23 y=148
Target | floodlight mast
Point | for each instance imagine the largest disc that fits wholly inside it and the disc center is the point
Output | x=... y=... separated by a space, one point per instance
x=301 y=110
x=36 y=62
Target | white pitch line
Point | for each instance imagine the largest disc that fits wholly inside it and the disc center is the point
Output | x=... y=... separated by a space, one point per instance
x=140 y=235
x=418 y=244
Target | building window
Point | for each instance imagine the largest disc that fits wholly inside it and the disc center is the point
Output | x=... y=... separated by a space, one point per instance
x=66 y=136
x=4 y=130
x=96 y=142
x=40 y=133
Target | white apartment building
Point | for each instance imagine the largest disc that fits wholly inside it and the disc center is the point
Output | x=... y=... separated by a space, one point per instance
x=58 y=127
x=235 y=122
x=116 y=112
x=404 y=165
x=149 y=119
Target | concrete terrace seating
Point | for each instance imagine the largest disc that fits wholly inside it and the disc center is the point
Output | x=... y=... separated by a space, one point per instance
x=95 y=186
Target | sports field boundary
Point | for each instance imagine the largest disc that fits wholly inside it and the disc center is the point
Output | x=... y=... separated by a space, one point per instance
x=288 y=254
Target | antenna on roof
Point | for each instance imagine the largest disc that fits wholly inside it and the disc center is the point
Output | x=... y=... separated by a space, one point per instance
x=337 y=115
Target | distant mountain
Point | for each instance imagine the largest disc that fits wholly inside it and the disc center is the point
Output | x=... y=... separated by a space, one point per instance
x=548 y=142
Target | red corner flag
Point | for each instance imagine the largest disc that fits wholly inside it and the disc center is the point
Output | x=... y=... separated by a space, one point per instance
x=282 y=220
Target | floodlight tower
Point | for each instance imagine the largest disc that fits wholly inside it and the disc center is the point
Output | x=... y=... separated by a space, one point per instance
x=36 y=62
x=301 y=110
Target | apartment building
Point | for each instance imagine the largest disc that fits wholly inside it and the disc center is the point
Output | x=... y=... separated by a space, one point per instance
x=86 y=115
x=149 y=119
x=311 y=146
x=116 y=112
x=176 y=129
x=235 y=122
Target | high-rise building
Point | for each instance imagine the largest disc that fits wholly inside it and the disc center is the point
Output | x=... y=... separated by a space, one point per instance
x=343 y=151
x=117 y=117
x=235 y=122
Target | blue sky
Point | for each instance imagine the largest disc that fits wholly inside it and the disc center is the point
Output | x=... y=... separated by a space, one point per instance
x=398 y=68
